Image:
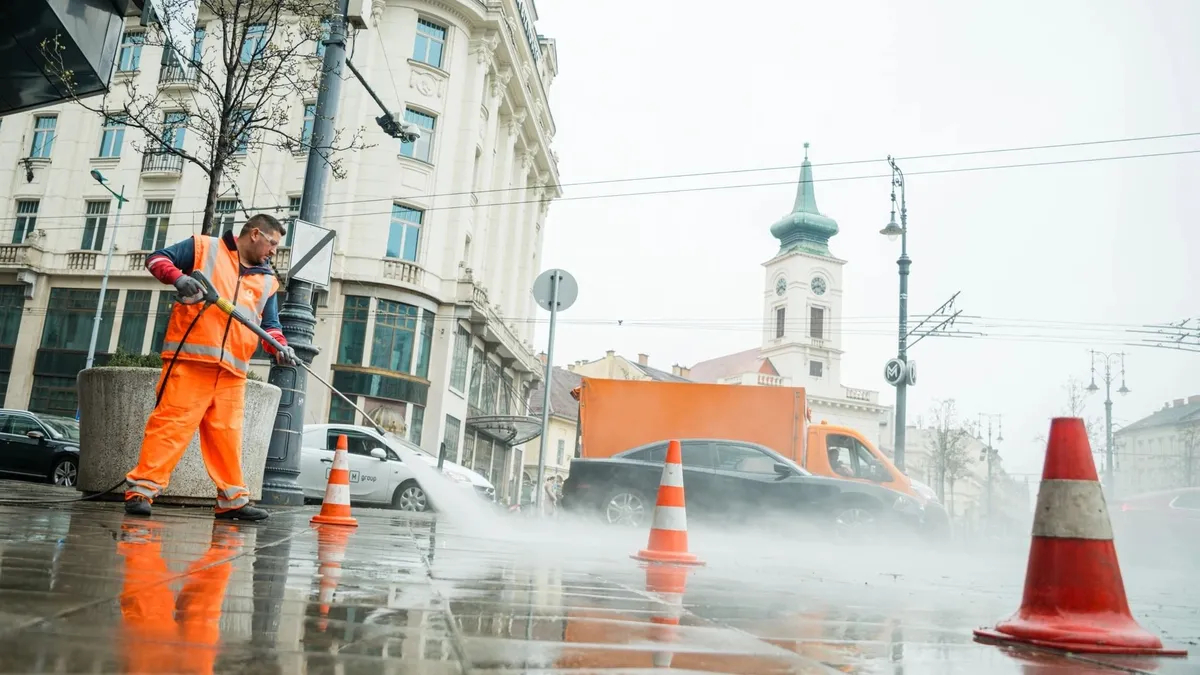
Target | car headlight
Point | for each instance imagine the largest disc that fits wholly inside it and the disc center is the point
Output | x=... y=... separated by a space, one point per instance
x=906 y=505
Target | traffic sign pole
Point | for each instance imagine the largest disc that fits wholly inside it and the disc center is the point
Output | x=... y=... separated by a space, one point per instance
x=553 y=290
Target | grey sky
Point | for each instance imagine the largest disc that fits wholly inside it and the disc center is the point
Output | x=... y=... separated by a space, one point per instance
x=666 y=87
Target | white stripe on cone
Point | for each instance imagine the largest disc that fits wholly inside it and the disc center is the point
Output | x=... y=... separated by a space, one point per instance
x=672 y=475
x=340 y=460
x=337 y=494
x=1072 y=509
x=670 y=518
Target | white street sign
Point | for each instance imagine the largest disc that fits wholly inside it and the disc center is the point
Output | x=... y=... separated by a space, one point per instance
x=307 y=239
x=912 y=373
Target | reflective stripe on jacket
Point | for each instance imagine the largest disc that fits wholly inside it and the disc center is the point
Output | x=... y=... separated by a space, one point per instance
x=216 y=337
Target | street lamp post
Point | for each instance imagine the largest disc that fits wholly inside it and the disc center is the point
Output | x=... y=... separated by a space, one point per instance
x=893 y=230
x=1109 y=477
x=112 y=243
x=990 y=451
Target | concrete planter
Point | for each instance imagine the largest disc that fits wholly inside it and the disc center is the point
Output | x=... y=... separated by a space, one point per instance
x=114 y=405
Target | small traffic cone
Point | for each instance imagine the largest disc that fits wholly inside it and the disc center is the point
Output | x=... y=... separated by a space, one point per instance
x=1074 y=596
x=668 y=534
x=331 y=551
x=335 y=509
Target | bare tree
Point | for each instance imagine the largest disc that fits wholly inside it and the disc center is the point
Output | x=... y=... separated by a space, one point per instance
x=252 y=66
x=948 y=442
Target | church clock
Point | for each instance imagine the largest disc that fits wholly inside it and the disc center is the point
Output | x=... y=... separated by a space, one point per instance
x=781 y=286
x=818 y=285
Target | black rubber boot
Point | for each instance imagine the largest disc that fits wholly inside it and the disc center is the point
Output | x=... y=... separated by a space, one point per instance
x=247 y=512
x=137 y=506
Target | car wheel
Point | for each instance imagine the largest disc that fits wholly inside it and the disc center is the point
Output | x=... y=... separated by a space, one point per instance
x=626 y=506
x=411 y=497
x=65 y=473
x=854 y=521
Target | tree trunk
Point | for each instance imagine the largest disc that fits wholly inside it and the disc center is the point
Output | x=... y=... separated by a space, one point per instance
x=210 y=201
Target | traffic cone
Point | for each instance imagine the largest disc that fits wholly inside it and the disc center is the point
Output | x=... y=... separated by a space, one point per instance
x=331 y=551
x=1074 y=596
x=335 y=509
x=668 y=534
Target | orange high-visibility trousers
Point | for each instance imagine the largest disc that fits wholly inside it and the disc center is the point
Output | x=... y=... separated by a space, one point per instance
x=197 y=395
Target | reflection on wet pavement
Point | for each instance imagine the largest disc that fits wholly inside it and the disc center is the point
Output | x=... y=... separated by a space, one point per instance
x=85 y=589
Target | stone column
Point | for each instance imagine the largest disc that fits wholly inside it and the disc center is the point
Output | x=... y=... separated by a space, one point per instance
x=517 y=239
x=475 y=118
x=497 y=81
x=500 y=217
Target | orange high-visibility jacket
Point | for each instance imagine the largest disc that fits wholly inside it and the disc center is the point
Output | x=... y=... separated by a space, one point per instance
x=216 y=337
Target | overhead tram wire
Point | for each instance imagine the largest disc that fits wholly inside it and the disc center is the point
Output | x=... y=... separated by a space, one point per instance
x=278 y=207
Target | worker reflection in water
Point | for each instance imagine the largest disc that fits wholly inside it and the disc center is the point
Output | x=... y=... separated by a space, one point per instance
x=206 y=355
x=162 y=632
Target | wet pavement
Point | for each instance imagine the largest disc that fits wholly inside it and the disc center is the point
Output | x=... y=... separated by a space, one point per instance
x=84 y=588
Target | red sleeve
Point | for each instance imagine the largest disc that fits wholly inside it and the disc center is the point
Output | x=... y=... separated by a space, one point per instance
x=163 y=269
x=278 y=335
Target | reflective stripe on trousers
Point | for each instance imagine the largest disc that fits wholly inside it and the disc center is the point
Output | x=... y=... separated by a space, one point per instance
x=234 y=497
x=205 y=350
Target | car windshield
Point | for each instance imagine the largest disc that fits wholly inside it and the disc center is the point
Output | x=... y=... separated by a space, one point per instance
x=62 y=428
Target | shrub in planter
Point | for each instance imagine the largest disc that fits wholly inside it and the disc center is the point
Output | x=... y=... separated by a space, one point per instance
x=116 y=399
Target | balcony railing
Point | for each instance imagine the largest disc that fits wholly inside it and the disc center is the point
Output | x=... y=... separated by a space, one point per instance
x=765 y=380
x=402 y=270
x=135 y=260
x=175 y=74
x=282 y=260
x=161 y=162
x=859 y=394
x=81 y=260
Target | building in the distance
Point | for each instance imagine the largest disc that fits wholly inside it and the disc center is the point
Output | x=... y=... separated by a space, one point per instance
x=427 y=322
x=802 y=325
x=614 y=367
x=1160 y=451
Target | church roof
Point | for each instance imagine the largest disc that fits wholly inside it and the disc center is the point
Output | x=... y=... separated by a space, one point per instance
x=714 y=370
x=805 y=228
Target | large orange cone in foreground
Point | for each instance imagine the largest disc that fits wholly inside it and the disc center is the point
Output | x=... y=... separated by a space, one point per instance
x=1074 y=595
x=335 y=510
x=668 y=534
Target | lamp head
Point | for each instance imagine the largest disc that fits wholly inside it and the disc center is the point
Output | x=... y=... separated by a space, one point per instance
x=892 y=230
x=98 y=176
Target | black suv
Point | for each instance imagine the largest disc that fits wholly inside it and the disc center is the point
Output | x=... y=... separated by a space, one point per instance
x=39 y=446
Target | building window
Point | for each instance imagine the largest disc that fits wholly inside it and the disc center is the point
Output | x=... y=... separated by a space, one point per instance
x=462 y=352
x=340 y=412
x=255 y=42
x=241 y=144
x=112 y=135
x=780 y=321
x=417 y=429
x=69 y=319
x=26 y=219
x=133 y=321
x=354 y=330
x=816 y=369
x=292 y=217
x=225 y=215
x=131 y=52
x=405 y=233
x=430 y=43
x=475 y=395
x=198 y=47
x=426 y=348
x=320 y=51
x=453 y=432
x=508 y=395
x=306 y=131
x=12 y=306
x=174 y=129
x=44 y=127
x=491 y=382
x=158 y=219
x=423 y=148
x=816 y=322
x=162 y=315
x=395 y=336
x=94 y=226
x=562 y=452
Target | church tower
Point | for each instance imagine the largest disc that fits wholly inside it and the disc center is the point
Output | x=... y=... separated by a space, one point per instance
x=802 y=299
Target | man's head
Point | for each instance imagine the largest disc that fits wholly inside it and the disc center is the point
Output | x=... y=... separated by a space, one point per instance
x=260 y=237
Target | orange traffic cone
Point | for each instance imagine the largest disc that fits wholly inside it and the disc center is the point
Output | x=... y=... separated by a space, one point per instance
x=1074 y=596
x=668 y=534
x=331 y=551
x=335 y=509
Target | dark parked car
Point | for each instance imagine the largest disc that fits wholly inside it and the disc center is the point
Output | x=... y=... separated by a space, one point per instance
x=735 y=481
x=39 y=446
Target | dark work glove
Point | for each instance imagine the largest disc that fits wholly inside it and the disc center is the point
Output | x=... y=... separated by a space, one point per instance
x=287 y=357
x=190 y=291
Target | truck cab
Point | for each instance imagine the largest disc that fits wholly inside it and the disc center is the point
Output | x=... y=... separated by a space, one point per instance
x=841 y=452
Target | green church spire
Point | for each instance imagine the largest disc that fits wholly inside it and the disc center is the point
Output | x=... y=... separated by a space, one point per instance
x=805 y=229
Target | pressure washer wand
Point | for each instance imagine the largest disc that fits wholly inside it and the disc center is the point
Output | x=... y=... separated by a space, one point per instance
x=211 y=297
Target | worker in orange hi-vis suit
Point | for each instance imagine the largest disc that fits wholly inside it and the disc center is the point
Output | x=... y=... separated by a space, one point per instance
x=206 y=355
x=159 y=628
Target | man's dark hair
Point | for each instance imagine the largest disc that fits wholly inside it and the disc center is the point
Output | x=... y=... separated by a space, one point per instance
x=265 y=222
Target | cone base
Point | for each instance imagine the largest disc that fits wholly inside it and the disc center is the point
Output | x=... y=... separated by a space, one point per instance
x=681 y=558
x=322 y=519
x=1100 y=646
